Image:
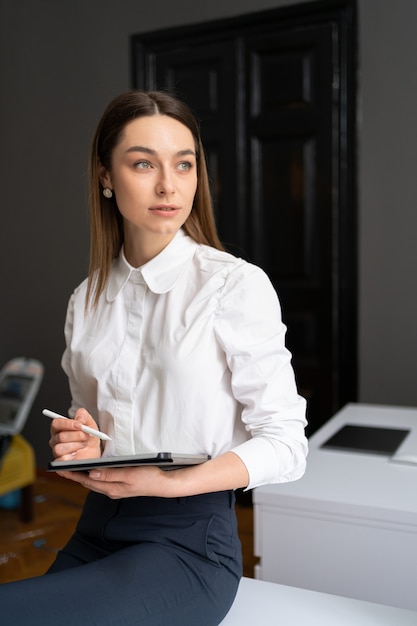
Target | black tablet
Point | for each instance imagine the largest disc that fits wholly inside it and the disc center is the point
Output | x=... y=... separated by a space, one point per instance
x=166 y=460
x=368 y=439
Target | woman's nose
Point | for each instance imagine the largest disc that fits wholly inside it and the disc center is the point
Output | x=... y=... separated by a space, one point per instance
x=165 y=184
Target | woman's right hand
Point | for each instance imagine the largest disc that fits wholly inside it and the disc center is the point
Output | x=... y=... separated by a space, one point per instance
x=69 y=442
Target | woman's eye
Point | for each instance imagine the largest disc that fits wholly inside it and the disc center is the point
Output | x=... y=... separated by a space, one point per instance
x=142 y=165
x=184 y=166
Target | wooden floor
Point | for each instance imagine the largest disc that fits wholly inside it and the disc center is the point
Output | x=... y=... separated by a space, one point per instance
x=27 y=549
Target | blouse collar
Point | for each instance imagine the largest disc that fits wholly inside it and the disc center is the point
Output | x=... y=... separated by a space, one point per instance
x=160 y=273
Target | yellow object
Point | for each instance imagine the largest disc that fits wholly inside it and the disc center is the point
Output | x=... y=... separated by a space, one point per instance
x=17 y=471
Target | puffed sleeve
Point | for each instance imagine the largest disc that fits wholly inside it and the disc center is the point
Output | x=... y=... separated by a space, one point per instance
x=250 y=329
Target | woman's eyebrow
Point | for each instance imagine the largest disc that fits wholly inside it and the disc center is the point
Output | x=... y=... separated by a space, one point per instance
x=154 y=152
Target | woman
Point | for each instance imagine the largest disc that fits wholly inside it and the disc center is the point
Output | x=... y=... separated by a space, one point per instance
x=171 y=344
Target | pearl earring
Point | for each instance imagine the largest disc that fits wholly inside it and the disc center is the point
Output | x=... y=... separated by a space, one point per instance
x=107 y=193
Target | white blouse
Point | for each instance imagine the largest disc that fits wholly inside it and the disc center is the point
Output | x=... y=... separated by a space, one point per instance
x=186 y=354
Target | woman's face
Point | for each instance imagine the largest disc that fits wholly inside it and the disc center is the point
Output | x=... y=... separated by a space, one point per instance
x=153 y=176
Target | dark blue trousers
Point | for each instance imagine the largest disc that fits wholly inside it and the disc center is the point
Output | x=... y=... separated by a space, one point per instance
x=144 y=561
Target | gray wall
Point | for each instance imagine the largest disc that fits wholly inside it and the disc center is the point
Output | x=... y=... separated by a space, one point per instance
x=388 y=202
x=60 y=63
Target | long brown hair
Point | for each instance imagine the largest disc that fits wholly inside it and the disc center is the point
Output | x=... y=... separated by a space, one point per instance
x=106 y=225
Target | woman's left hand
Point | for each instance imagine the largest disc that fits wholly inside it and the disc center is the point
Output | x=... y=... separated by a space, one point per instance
x=122 y=482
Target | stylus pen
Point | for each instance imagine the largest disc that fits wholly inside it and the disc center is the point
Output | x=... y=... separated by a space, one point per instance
x=85 y=429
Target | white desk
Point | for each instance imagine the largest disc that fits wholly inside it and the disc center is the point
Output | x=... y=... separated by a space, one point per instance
x=349 y=526
x=268 y=604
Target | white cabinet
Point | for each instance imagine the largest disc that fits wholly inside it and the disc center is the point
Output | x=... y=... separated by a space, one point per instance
x=349 y=526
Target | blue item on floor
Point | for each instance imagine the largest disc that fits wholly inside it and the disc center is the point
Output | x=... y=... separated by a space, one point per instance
x=10 y=500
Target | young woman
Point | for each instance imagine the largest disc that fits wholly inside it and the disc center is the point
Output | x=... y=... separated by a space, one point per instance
x=171 y=344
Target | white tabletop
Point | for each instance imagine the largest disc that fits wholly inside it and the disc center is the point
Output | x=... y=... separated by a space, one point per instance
x=263 y=603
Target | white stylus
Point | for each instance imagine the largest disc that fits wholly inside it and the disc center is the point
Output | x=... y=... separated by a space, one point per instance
x=85 y=429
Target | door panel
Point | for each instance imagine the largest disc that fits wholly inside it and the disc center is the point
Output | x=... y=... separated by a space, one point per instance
x=293 y=139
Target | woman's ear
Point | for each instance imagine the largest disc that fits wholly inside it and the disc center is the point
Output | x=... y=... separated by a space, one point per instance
x=105 y=178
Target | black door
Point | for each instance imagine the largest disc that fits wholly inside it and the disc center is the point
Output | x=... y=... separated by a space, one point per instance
x=275 y=94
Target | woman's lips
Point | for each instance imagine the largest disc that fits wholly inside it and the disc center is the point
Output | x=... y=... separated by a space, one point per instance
x=165 y=209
